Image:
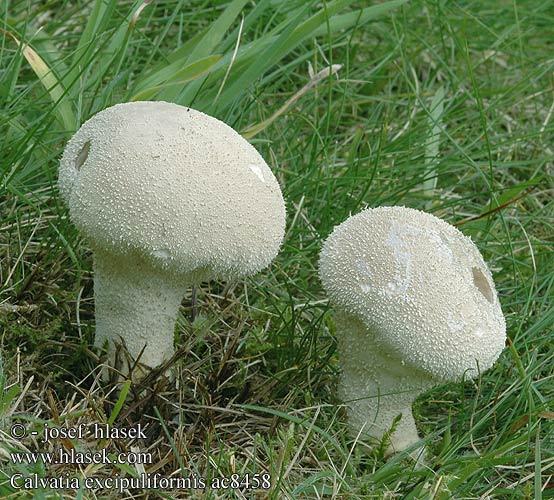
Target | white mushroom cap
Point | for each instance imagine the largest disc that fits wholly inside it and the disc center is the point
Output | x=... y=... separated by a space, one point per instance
x=175 y=187
x=421 y=288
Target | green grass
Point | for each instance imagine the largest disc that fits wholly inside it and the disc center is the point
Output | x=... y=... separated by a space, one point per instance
x=443 y=106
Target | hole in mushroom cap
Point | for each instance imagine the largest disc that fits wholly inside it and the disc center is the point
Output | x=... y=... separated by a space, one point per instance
x=82 y=156
x=482 y=284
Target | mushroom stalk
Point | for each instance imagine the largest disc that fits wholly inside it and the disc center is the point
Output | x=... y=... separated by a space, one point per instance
x=138 y=305
x=376 y=385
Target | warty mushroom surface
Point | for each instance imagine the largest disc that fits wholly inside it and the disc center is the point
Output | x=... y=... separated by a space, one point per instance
x=415 y=306
x=166 y=197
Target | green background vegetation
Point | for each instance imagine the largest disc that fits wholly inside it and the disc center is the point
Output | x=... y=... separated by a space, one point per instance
x=442 y=106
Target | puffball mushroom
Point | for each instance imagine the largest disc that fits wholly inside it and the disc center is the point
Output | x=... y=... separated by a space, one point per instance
x=415 y=306
x=167 y=197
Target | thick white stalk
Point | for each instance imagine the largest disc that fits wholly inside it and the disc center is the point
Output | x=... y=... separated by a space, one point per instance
x=376 y=385
x=137 y=305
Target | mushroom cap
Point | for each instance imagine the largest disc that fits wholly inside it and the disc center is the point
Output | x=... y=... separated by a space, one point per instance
x=420 y=286
x=174 y=187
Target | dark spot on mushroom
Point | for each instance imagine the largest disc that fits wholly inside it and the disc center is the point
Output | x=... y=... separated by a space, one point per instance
x=82 y=156
x=482 y=284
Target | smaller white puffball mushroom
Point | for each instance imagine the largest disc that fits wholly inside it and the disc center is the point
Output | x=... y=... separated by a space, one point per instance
x=167 y=197
x=415 y=306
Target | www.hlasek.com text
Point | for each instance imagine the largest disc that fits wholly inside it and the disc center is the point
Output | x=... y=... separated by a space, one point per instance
x=73 y=456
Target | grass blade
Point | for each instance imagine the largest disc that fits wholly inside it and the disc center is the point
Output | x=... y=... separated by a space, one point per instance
x=292 y=35
x=358 y=17
x=98 y=19
x=297 y=420
x=187 y=74
x=120 y=401
x=325 y=73
x=215 y=33
x=432 y=145
x=162 y=71
x=538 y=474
x=63 y=109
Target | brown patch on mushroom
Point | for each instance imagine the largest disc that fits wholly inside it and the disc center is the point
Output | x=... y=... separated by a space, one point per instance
x=82 y=156
x=482 y=284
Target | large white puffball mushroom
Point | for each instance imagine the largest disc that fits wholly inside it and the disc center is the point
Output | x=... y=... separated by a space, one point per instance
x=167 y=197
x=416 y=306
